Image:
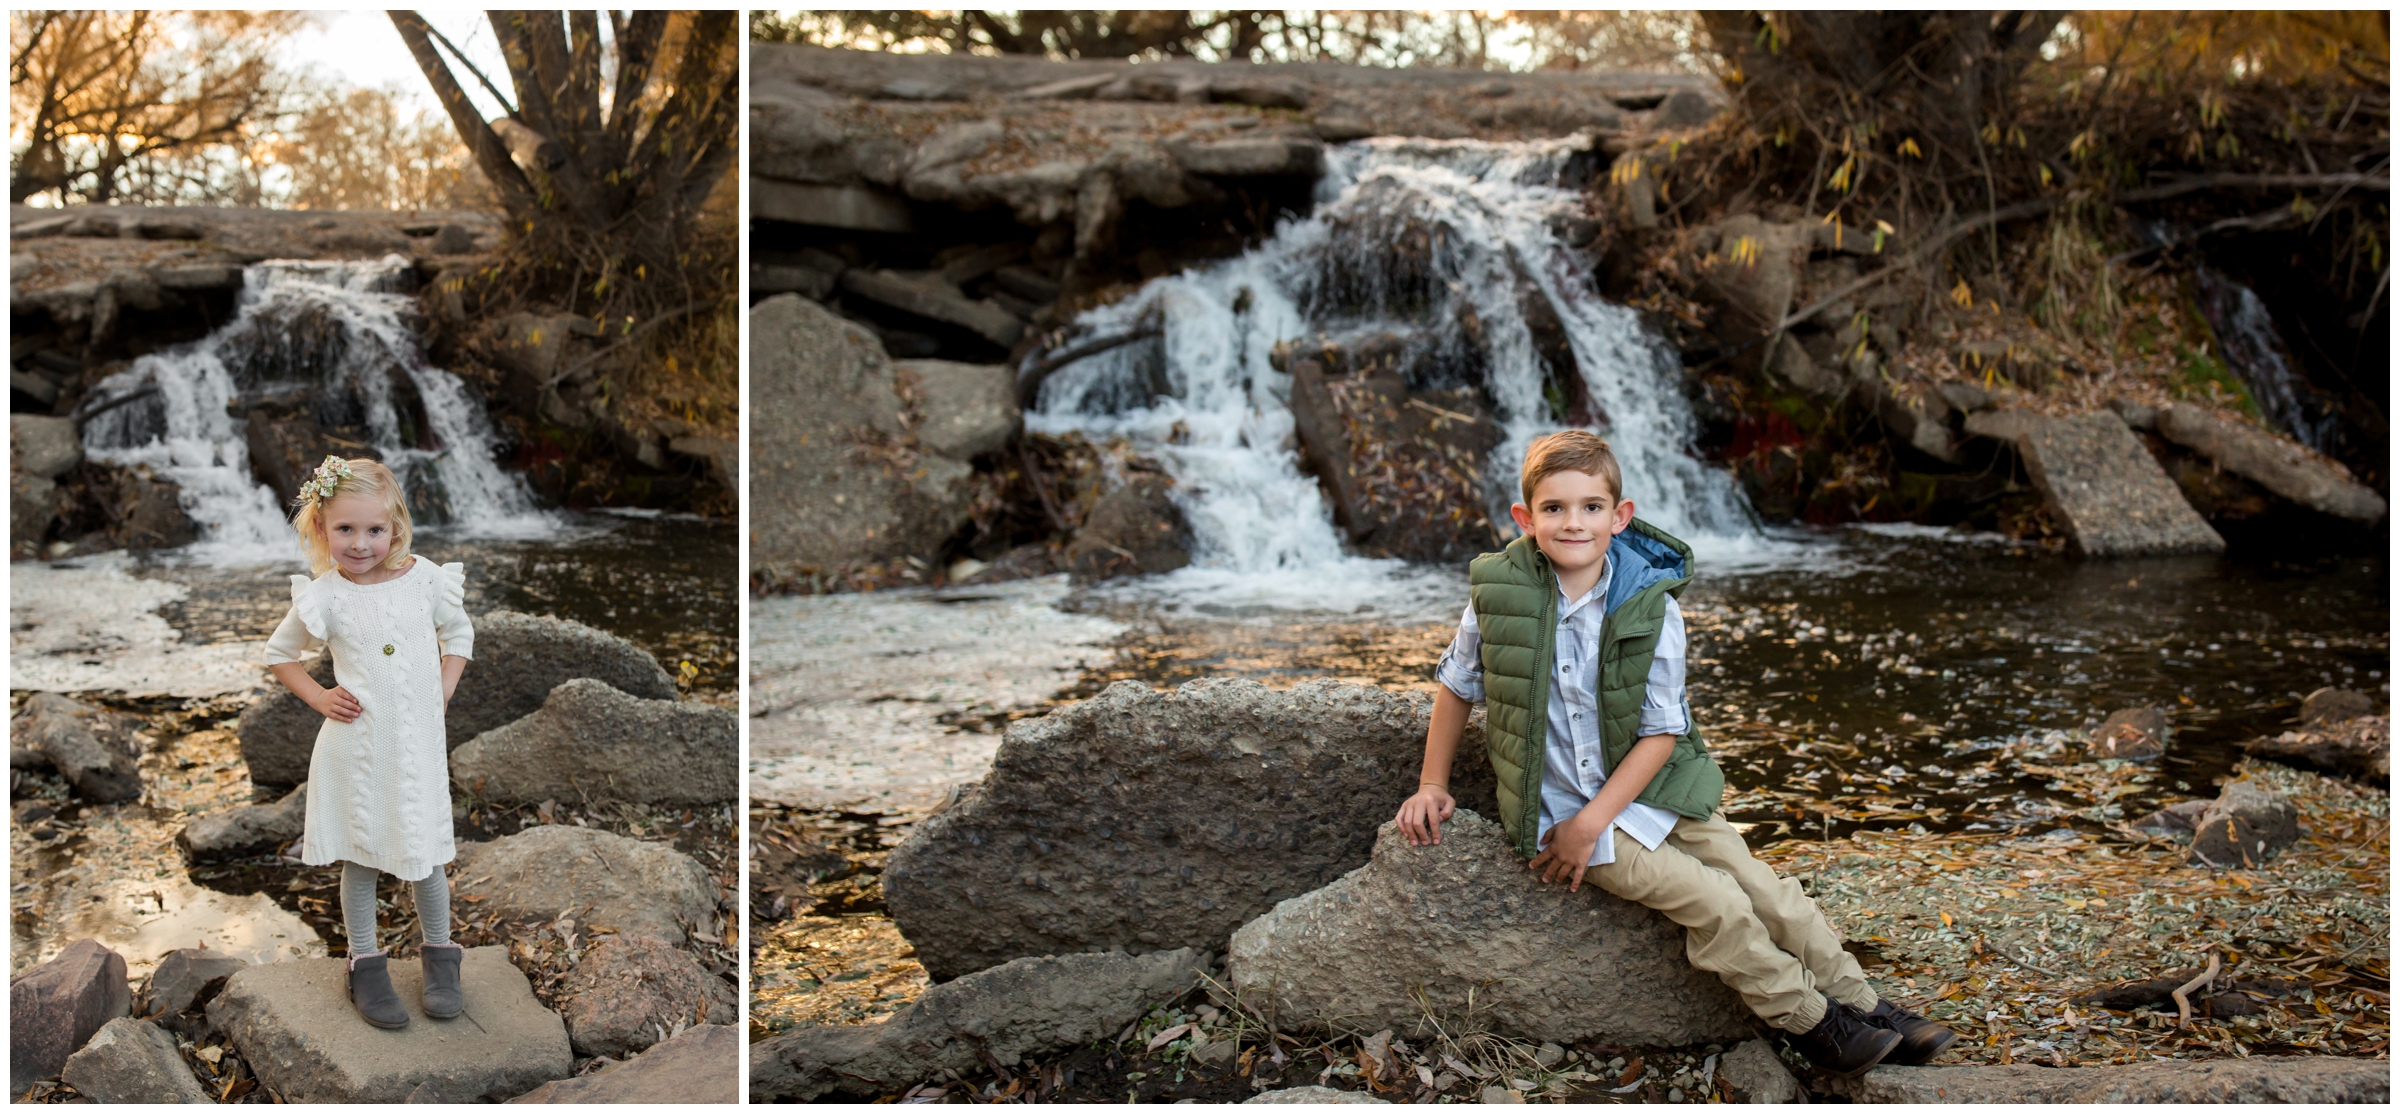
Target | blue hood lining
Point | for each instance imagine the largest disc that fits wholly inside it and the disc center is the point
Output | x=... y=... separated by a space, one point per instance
x=1637 y=561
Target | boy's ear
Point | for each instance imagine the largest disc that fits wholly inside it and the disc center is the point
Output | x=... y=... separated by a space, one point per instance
x=1624 y=516
x=1523 y=517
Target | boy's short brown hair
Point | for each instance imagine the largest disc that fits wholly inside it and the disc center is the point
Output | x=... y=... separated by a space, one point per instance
x=1571 y=450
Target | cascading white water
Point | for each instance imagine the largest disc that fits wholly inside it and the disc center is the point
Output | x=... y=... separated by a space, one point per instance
x=1205 y=401
x=337 y=327
x=2247 y=339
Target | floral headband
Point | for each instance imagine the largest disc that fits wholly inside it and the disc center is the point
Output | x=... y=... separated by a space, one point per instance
x=328 y=476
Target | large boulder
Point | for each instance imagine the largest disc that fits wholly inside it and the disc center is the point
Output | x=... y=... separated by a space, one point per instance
x=589 y=740
x=1464 y=921
x=2244 y=827
x=67 y=733
x=1134 y=530
x=132 y=1061
x=2105 y=489
x=836 y=478
x=598 y=878
x=246 y=829
x=2258 y=1079
x=2271 y=462
x=969 y=409
x=1150 y=820
x=1402 y=470
x=519 y=658
x=702 y=1064
x=32 y=507
x=43 y=446
x=2359 y=747
x=1019 y=1009
x=180 y=977
x=629 y=992
x=55 y=1006
x=294 y=1025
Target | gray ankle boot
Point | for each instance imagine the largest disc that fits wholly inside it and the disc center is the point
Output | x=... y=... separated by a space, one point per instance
x=371 y=991
x=443 y=998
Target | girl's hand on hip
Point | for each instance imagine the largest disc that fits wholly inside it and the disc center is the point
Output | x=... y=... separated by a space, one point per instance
x=336 y=704
x=1421 y=816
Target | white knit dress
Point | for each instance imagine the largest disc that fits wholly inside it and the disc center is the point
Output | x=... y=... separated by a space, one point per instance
x=379 y=786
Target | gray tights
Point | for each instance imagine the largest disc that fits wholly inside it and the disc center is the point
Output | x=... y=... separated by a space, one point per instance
x=358 y=906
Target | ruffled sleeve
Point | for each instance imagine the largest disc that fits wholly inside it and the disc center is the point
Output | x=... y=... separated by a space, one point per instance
x=303 y=627
x=450 y=622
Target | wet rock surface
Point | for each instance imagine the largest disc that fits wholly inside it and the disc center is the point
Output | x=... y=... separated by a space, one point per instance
x=1456 y=919
x=2360 y=748
x=55 y=1007
x=700 y=1065
x=295 y=1027
x=1021 y=1008
x=247 y=830
x=590 y=741
x=1148 y=821
x=2276 y=1079
x=132 y=1061
x=1135 y=530
x=2107 y=491
x=629 y=992
x=2131 y=733
x=78 y=741
x=2245 y=826
x=2332 y=705
x=598 y=878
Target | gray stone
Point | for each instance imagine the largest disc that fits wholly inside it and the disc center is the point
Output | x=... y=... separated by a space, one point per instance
x=180 y=976
x=519 y=658
x=1150 y=820
x=32 y=507
x=2177 y=820
x=2258 y=1079
x=430 y=1093
x=453 y=239
x=629 y=992
x=703 y=1064
x=1966 y=398
x=2244 y=827
x=2131 y=733
x=1758 y=1075
x=61 y=730
x=2271 y=462
x=1359 y=424
x=590 y=741
x=2108 y=492
x=1134 y=530
x=132 y=1061
x=1244 y=158
x=294 y=1025
x=1460 y=918
x=2332 y=705
x=42 y=446
x=933 y=299
x=833 y=481
x=2137 y=415
x=247 y=829
x=2358 y=747
x=1757 y=271
x=601 y=879
x=56 y=1005
x=967 y=409
x=1022 y=1008
x=1311 y=1094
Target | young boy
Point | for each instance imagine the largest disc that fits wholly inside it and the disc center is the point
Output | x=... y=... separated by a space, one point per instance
x=1573 y=636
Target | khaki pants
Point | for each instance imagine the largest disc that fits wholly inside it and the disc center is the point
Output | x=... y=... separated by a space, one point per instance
x=1742 y=922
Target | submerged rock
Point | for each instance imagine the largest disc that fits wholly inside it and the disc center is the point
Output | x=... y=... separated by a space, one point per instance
x=598 y=878
x=590 y=741
x=294 y=1025
x=2131 y=733
x=2244 y=827
x=2106 y=490
x=62 y=730
x=247 y=829
x=2258 y=1079
x=702 y=1064
x=1150 y=820
x=1465 y=920
x=1019 y=1009
x=55 y=1006
x=2332 y=705
x=629 y=992
x=132 y=1061
x=2359 y=748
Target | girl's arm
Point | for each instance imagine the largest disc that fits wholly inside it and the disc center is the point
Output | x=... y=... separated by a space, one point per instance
x=452 y=667
x=1568 y=847
x=1422 y=814
x=334 y=703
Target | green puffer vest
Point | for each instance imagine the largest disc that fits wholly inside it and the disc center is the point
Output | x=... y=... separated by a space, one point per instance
x=1515 y=596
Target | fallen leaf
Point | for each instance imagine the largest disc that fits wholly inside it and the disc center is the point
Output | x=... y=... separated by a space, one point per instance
x=1167 y=1035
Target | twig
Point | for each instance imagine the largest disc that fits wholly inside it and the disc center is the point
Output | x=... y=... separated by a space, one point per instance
x=1029 y=378
x=631 y=335
x=461 y=55
x=2183 y=1005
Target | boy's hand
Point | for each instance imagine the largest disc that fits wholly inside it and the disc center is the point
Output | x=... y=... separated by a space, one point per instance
x=1421 y=816
x=1566 y=850
x=336 y=704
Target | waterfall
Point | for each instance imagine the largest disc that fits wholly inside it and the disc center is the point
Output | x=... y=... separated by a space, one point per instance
x=2247 y=339
x=338 y=331
x=1478 y=223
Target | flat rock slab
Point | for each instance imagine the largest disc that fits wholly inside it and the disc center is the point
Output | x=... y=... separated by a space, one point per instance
x=1466 y=917
x=2280 y=1079
x=1148 y=820
x=2271 y=462
x=591 y=741
x=702 y=1064
x=2109 y=492
x=294 y=1025
x=599 y=878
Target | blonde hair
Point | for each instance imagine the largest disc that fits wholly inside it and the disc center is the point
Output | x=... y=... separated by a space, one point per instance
x=335 y=478
x=1571 y=450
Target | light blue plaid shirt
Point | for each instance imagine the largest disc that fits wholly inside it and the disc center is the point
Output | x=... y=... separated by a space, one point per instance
x=1573 y=768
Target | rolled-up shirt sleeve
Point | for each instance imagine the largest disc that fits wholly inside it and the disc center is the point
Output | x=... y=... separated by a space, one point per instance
x=1663 y=710
x=1461 y=668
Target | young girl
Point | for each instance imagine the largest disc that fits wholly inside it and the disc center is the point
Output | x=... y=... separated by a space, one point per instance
x=379 y=780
